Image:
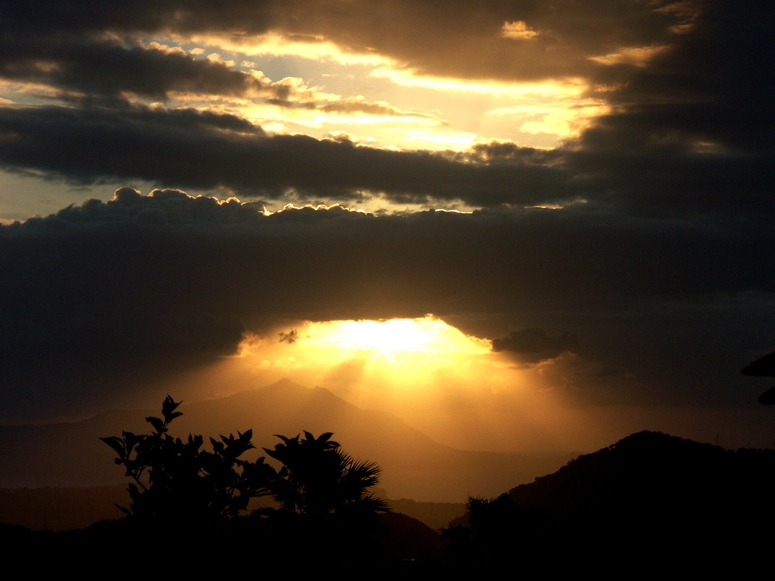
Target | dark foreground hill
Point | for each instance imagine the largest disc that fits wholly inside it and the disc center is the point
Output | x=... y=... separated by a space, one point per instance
x=62 y=509
x=649 y=505
x=650 y=477
x=650 y=501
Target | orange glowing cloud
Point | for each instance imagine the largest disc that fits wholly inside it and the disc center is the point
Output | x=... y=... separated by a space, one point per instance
x=517 y=30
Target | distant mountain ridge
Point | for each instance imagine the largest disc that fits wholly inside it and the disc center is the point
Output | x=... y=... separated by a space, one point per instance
x=414 y=466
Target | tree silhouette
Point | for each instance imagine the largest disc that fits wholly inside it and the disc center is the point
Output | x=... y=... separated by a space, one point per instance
x=318 y=480
x=178 y=482
x=324 y=503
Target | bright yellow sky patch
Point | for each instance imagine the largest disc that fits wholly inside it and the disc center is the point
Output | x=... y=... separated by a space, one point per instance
x=395 y=335
x=392 y=364
x=409 y=77
x=393 y=99
x=440 y=139
x=564 y=118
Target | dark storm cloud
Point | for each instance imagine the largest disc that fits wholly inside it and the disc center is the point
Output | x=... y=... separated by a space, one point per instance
x=186 y=148
x=106 y=297
x=666 y=272
x=534 y=344
x=695 y=124
x=689 y=131
x=464 y=39
x=454 y=38
x=111 y=68
x=78 y=17
x=420 y=32
x=93 y=47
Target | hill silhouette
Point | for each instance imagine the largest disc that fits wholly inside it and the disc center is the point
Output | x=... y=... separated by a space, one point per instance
x=649 y=474
x=650 y=500
x=413 y=465
x=647 y=504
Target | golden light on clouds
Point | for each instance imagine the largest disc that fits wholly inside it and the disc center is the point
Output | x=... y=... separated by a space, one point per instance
x=280 y=45
x=565 y=117
x=517 y=30
x=637 y=55
x=409 y=77
x=396 y=106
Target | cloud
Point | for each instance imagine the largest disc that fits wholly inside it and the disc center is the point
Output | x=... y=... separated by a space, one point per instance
x=290 y=337
x=112 y=68
x=533 y=344
x=218 y=150
x=358 y=109
x=686 y=129
x=419 y=37
x=658 y=251
x=691 y=126
x=104 y=297
x=102 y=69
x=211 y=150
x=637 y=56
x=517 y=30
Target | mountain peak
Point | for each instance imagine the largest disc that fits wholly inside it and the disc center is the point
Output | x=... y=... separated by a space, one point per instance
x=284 y=383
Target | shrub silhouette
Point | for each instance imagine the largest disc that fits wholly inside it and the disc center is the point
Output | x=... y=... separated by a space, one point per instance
x=319 y=480
x=179 y=482
x=323 y=493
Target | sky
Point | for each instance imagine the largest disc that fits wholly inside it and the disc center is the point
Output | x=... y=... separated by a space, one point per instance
x=518 y=225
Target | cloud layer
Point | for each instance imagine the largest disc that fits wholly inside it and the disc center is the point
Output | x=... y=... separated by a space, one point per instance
x=645 y=233
x=688 y=130
x=144 y=286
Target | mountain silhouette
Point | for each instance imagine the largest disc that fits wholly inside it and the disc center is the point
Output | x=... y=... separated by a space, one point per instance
x=413 y=465
x=651 y=473
x=649 y=501
x=649 y=505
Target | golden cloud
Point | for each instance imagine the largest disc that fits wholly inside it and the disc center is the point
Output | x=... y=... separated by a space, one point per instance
x=517 y=30
x=637 y=56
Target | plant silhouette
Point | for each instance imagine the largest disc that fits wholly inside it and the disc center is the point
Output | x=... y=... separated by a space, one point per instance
x=183 y=485
x=179 y=482
x=318 y=480
x=323 y=493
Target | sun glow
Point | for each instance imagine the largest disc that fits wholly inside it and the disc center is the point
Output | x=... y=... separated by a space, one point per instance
x=451 y=385
x=428 y=335
x=382 y=363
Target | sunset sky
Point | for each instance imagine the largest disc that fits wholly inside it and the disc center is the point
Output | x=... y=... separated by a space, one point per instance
x=518 y=225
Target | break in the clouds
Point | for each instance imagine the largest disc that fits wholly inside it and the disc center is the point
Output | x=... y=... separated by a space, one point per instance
x=613 y=158
x=683 y=93
x=103 y=297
